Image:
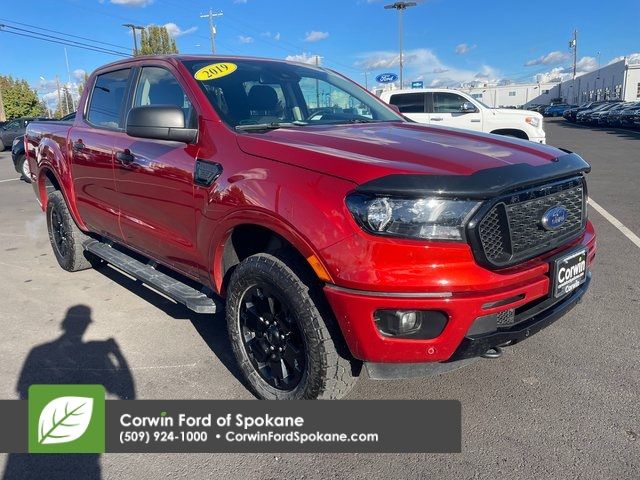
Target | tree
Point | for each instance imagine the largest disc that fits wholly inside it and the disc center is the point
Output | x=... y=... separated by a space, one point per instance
x=83 y=83
x=20 y=100
x=66 y=103
x=156 y=40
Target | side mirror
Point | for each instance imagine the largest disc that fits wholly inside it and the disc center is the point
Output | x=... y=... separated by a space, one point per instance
x=160 y=122
x=468 y=107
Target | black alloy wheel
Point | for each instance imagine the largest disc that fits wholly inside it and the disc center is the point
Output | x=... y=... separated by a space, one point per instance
x=271 y=337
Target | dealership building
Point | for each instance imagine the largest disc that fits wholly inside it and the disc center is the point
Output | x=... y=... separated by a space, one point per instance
x=618 y=80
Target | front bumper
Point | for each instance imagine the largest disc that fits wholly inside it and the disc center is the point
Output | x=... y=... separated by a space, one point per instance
x=354 y=310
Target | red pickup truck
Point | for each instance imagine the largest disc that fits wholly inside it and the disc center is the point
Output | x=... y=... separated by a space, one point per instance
x=338 y=232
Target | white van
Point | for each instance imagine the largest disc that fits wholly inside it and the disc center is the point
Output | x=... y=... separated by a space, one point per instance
x=452 y=108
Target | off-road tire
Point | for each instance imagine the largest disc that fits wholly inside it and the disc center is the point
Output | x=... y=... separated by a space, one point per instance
x=72 y=257
x=329 y=372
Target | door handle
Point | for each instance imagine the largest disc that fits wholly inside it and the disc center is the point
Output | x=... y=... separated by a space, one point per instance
x=78 y=146
x=475 y=120
x=126 y=158
x=437 y=119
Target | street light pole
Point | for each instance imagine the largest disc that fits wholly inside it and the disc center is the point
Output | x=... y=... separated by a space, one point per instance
x=133 y=32
x=401 y=7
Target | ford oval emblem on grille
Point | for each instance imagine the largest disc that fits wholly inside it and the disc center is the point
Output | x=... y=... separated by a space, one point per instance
x=554 y=218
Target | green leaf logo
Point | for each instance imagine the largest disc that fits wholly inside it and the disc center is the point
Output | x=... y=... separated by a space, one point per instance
x=64 y=419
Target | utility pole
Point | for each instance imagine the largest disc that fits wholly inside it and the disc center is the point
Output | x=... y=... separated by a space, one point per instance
x=212 y=27
x=133 y=33
x=58 y=90
x=73 y=102
x=573 y=44
x=401 y=7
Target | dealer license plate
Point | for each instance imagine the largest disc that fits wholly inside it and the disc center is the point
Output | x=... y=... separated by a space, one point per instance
x=569 y=272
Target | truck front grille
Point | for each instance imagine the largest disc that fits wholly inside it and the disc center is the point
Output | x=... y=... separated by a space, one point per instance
x=512 y=230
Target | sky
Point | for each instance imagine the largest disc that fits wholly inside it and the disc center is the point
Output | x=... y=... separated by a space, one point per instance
x=446 y=42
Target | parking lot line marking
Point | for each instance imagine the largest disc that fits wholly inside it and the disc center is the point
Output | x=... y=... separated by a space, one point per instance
x=9 y=180
x=616 y=223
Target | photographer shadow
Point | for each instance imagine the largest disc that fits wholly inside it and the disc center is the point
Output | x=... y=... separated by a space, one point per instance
x=69 y=360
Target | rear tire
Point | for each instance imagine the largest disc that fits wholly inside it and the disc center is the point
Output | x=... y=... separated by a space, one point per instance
x=283 y=333
x=23 y=168
x=65 y=236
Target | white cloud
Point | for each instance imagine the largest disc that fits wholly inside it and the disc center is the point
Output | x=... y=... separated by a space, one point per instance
x=79 y=74
x=304 y=58
x=275 y=36
x=132 y=3
x=584 y=65
x=551 y=58
x=315 y=36
x=245 y=39
x=464 y=48
x=632 y=58
x=423 y=64
x=175 y=31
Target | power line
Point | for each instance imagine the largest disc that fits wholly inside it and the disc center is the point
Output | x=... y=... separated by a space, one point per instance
x=3 y=29
x=62 y=33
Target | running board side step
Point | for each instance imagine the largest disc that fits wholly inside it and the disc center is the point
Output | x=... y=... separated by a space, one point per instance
x=172 y=288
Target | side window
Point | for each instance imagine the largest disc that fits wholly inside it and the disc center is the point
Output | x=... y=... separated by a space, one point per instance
x=409 y=102
x=107 y=99
x=158 y=86
x=324 y=97
x=15 y=125
x=444 y=102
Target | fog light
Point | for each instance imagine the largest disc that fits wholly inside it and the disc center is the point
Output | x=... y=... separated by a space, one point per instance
x=418 y=324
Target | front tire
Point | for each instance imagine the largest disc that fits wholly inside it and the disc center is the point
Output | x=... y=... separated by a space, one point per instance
x=281 y=328
x=65 y=236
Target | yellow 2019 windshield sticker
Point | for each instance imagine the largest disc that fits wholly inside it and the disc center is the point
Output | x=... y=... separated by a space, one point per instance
x=215 y=70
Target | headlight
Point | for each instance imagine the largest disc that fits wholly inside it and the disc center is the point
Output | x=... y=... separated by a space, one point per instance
x=424 y=218
x=533 y=121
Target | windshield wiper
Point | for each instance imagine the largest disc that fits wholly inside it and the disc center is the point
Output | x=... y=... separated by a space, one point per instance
x=269 y=126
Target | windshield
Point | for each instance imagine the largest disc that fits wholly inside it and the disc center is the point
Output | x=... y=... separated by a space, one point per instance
x=259 y=92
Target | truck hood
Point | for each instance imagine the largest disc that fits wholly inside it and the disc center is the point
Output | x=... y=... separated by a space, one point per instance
x=364 y=152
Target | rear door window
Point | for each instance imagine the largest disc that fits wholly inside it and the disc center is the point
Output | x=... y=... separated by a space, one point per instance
x=108 y=98
x=409 y=102
x=444 y=102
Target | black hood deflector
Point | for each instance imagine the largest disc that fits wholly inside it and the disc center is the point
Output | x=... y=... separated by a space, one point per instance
x=480 y=185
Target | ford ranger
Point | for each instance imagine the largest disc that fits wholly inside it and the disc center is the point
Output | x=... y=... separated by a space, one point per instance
x=338 y=234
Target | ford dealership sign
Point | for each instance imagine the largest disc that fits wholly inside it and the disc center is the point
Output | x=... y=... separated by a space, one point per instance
x=386 y=78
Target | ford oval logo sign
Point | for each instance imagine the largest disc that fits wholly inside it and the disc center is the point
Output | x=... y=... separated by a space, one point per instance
x=554 y=218
x=386 y=78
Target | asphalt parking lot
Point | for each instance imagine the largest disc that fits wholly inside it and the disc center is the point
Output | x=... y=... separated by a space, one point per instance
x=562 y=404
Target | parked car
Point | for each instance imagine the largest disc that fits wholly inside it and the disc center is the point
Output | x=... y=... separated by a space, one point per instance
x=587 y=116
x=614 y=116
x=627 y=117
x=599 y=118
x=452 y=108
x=635 y=118
x=335 y=236
x=572 y=113
x=608 y=118
x=13 y=129
x=556 y=110
x=17 y=151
